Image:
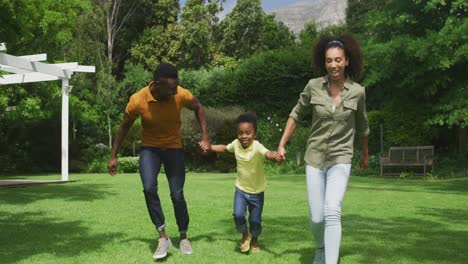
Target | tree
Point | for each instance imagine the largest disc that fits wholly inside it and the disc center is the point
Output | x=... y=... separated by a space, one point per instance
x=416 y=52
x=275 y=34
x=199 y=17
x=309 y=33
x=117 y=12
x=241 y=30
x=156 y=45
x=30 y=135
x=160 y=40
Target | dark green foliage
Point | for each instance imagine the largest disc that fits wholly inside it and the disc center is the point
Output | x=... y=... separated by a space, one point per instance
x=270 y=81
x=128 y=165
x=222 y=130
x=415 y=63
x=415 y=75
x=273 y=80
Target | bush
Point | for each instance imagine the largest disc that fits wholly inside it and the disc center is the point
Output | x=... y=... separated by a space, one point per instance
x=221 y=129
x=373 y=168
x=269 y=130
x=98 y=165
x=214 y=87
x=267 y=81
x=225 y=163
x=287 y=167
x=450 y=165
x=410 y=130
x=128 y=165
x=273 y=80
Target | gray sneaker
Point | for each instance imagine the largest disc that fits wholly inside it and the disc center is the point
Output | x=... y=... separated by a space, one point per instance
x=319 y=256
x=163 y=246
x=185 y=246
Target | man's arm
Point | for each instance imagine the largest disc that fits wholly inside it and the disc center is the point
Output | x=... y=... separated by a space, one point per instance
x=124 y=127
x=199 y=111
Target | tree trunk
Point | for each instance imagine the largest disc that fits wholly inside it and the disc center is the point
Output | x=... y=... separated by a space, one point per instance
x=74 y=130
x=109 y=131
x=462 y=136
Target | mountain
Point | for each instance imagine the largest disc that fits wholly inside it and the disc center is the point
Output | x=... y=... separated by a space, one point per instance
x=324 y=12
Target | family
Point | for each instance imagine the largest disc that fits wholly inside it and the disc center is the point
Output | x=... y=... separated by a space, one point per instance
x=337 y=105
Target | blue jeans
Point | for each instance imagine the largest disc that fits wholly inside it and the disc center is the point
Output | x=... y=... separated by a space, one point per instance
x=326 y=188
x=254 y=202
x=150 y=164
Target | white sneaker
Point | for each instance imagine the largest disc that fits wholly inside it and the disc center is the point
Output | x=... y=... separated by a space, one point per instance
x=185 y=246
x=319 y=256
x=163 y=247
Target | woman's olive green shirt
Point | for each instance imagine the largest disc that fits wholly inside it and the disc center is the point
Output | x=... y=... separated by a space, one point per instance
x=331 y=138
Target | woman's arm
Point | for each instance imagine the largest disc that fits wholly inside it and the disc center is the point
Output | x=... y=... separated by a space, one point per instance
x=288 y=131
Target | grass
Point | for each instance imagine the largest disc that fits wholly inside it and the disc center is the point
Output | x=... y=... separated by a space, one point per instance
x=100 y=219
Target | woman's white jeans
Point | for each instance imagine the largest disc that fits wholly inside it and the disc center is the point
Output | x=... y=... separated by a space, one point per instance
x=325 y=191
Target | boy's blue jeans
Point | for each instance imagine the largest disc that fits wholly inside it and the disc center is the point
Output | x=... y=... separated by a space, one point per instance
x=150 y=164
x=254 y=202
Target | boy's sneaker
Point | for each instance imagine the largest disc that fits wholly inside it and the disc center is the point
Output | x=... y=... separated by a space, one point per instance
x=163 y=247
x=319 y=256
x=245 y=246
x=185 y=246
x=254 y=249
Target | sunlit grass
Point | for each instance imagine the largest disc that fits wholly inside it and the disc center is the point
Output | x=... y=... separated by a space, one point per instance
x=100 y=219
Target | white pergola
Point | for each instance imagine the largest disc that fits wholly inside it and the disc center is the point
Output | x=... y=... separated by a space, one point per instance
x=28 y=69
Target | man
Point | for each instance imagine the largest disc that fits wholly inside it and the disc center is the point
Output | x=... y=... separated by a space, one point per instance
x=159 y=105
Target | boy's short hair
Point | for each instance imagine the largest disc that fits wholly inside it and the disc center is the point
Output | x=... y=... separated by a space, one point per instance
x=247 y=118
x=165 y=70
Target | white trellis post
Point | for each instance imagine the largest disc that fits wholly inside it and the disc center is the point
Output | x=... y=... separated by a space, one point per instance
x=65 y=125
x=28 y=69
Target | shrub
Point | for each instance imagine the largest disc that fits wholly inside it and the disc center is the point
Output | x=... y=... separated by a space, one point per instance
x=287 y=167
x=410 y=130
x=128 y=165
x=267 y=81
x=221 y=129
x=373 y=168
x=98 y=164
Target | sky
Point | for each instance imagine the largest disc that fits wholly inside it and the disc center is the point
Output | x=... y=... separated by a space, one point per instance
x=266 y=4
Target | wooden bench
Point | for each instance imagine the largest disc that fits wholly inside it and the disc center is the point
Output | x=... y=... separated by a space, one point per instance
x=408 y=156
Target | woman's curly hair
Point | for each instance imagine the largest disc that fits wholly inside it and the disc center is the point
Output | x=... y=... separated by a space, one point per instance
x=352 y=51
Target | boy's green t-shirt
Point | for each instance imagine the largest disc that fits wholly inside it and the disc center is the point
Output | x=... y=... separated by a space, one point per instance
x=250 y=161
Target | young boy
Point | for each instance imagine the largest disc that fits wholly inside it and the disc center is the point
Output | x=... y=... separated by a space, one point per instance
x=250 y=184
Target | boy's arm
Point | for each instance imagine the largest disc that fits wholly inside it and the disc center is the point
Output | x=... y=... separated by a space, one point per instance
x=271 y=155
x=217 y=148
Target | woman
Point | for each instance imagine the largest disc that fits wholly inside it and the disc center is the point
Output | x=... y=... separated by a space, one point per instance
x=338 y=109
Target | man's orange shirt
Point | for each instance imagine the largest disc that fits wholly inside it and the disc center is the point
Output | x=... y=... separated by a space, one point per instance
x=160 y=120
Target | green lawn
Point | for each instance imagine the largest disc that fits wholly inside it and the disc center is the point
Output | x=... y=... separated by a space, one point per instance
x=100 y=219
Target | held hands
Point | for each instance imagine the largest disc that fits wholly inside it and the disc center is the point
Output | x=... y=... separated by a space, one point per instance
x=205 y=146
x=112 y=166
x=281 y=154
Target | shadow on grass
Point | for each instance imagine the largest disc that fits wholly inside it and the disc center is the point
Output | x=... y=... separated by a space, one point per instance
x=67 y=192
x=454 y=216
x=452 y=186
x=280 y=236
x=456 y=186
x=24 y=235
x=406 y=238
